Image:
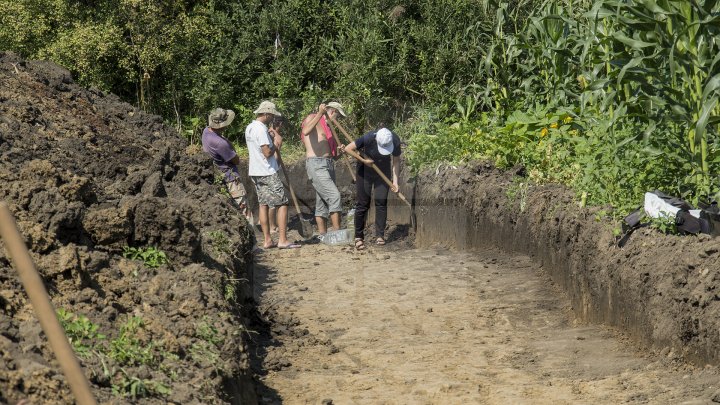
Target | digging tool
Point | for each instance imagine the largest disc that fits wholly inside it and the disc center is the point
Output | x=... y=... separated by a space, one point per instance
x=413 y=218
x=44 y=309
x=306 y=228
x=373 y=165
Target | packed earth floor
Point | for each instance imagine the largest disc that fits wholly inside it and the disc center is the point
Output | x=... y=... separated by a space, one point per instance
x=400 y=325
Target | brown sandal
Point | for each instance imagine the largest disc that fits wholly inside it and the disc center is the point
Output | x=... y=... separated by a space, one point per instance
x=359 y=244
x=380 y=241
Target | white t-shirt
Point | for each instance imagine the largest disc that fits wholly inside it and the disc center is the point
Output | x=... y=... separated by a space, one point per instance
x=256 y=135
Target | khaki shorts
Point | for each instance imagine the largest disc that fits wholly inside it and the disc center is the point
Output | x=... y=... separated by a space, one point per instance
x=238 y=194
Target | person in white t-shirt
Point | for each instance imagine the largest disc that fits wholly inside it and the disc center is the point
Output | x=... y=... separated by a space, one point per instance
x=263 y=145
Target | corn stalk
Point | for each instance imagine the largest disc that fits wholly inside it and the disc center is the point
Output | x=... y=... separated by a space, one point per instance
x=665 y=56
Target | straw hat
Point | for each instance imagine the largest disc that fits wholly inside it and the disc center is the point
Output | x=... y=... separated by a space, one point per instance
x=337 y=106
x=267 y=107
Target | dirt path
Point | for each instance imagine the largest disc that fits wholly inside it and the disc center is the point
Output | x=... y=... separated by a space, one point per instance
x=401 y=326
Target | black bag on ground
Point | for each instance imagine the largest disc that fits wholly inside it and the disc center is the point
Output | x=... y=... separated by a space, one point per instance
x=686 y=223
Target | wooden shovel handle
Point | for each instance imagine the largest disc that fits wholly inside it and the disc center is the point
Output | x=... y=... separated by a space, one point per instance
x=44 y=309
x=289 y=186
x=373 y=165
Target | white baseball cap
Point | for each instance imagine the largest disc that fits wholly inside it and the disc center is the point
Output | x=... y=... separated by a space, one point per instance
x=384 y=139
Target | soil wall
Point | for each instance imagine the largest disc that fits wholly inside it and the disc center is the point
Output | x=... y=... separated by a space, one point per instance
x=661 y=289
x=87 y=175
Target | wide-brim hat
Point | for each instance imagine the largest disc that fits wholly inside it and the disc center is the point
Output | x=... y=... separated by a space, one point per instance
x=267 y=107
x=384 y=139
x=220 y=118
x=337 y=106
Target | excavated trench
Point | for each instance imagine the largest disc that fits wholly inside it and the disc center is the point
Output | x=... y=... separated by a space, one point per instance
x=504 y=294
x=86 y=175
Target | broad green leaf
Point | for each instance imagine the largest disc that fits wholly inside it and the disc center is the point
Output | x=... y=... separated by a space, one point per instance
x=711 y=86
x=707 y=109
x=633 y=43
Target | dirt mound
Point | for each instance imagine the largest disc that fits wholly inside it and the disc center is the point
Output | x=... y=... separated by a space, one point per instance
x=662 y=289
x=90 y=180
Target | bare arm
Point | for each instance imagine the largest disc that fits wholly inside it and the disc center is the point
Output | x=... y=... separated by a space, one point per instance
x=269 y=150
x=309 y=125
x=352 y=151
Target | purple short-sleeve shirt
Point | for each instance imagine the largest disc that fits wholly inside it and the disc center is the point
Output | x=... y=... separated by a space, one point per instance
x=222 y=152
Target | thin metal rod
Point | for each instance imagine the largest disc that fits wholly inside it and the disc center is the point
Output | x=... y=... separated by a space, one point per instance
x=44 y=309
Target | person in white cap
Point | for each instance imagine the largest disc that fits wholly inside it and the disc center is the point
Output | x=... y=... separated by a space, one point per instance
x=224 y=157
x=381 y=147
x=263 y=144
x=321 y=150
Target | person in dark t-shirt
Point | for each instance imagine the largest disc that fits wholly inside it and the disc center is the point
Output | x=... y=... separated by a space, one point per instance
x=381 y=147
x=224 y=156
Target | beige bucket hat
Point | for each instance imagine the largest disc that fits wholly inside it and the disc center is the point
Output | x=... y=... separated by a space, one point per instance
x=267 y=107
x=220 y=118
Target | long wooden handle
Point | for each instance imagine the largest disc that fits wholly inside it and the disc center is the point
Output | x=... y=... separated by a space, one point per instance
x=44 y=309
x=287 y=179
x=373 y=165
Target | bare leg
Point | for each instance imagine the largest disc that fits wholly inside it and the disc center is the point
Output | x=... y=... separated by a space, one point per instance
x=322 y=228
x=263 y=212
x=273 y=220
x=335 y=219
x=282 y=224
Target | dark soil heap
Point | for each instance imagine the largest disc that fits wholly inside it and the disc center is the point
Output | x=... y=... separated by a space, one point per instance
x=87 y=175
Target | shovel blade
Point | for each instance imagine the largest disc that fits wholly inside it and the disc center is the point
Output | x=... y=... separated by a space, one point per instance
x=306 y=228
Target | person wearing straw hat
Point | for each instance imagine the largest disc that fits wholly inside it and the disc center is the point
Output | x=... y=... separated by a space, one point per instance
x=321 y=150
x=224 y=157
x=381 y=147
x=263 y=144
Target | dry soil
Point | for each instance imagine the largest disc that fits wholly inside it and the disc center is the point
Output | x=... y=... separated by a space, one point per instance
x=398 y=325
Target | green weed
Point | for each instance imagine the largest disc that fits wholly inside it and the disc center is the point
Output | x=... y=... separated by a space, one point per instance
x=205 y=350
x=222 y=187
x=133 y=387
x=230 y=292
x=151 y=256
x=665 y=223
x=128 y=349
x=517 y=191
x=220 y=241
x=82 y=333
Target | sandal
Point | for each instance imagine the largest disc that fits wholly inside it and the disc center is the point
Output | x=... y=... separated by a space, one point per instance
x=380 y=241
x=359 y=244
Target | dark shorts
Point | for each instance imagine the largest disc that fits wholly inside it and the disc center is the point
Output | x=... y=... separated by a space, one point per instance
x=270 y=190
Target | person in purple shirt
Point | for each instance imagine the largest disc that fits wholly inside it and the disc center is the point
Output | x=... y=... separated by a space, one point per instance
x=224 y=156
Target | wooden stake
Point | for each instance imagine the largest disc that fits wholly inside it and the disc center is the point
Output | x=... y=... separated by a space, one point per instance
x=44 y=309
